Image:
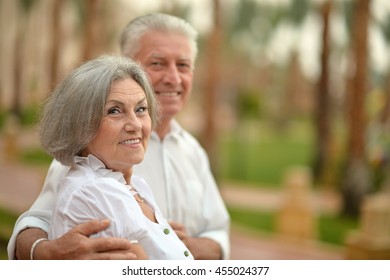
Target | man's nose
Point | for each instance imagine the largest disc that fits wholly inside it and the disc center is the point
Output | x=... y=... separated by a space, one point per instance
x=172 y=75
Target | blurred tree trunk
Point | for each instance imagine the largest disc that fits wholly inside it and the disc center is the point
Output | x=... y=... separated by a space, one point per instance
x=3 y=26
x=16 y=106
x=357 y=180
x=209 y=135
x=91 y=25
x=54 y=52
x=16 y=98
x=24 y=8
x=322 y=153
x=385 y=116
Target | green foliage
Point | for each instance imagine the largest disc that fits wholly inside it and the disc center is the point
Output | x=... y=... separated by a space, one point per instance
x=348 y=8
x=246 y=11
x=27 y=5
x=3 y=117
x=298 y=11
x=30 y=115
x=385 y=28
x=248 y=104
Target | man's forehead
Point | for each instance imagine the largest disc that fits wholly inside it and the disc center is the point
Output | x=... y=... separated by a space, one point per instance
x=162 y=56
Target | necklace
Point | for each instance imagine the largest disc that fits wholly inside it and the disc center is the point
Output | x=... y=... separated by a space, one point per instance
x=139 y=199
x=136 y=195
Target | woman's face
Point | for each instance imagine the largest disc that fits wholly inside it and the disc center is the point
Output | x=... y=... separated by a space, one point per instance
x=125 y=128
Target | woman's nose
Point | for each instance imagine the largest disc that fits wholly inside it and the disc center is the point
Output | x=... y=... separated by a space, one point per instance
x=132 y=123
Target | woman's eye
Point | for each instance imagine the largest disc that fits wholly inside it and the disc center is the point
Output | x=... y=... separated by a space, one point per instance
x=113 y=111
x=142 y=109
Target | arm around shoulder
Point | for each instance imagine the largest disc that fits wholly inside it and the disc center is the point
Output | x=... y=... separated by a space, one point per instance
x=76 y=244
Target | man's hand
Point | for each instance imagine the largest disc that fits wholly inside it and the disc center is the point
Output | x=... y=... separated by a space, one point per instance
x=202 y=248
x=76 y=244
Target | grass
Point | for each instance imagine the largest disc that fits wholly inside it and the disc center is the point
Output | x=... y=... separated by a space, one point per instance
x=332 y=229
x=36 y=156
x=7 y=221
x=263 y=155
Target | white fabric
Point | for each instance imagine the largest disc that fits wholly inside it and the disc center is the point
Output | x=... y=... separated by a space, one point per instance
x=177 y=170
x=90 y=191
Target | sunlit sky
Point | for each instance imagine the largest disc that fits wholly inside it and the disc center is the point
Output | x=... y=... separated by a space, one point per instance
x=305 y=40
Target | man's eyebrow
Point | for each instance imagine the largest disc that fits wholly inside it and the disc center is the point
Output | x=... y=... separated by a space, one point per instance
x=155 y=55
x=158 y=56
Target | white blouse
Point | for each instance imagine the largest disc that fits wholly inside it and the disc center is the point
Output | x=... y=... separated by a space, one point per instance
x=90 y=191
x=184 y=187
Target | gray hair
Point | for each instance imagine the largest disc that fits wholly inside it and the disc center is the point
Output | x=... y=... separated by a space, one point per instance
x=72 y=114
x=136 y=28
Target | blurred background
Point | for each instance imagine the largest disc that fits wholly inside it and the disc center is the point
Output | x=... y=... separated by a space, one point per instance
x=291 y=100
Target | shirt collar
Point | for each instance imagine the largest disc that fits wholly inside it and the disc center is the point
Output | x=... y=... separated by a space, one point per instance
x=175 y=131
x=98 y=166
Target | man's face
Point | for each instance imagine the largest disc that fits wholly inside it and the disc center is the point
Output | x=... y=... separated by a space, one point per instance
x=167 y=58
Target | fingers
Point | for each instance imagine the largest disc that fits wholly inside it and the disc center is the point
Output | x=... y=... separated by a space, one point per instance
x=180 y=234
x=116 y=249
x=120 y=255
x=177 y=226
x=92 y=227
x=103 y=244
x=179 y=229
x=139 y=252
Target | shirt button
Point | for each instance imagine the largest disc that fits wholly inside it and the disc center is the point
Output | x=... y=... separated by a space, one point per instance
x=186 y=253
x=166 y=231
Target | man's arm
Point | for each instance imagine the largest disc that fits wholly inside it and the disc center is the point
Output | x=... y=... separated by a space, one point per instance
x=76 y=244
x=202 y=248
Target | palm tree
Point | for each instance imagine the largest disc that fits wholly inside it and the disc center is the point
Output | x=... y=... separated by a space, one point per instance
x=357 y=182
x=385 y=118
x=210 y=94
x=322 y=126
x=54 y=51
x=25 y=7
x=91 y=21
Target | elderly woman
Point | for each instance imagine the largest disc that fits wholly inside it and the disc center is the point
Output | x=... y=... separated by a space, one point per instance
x=98 y=122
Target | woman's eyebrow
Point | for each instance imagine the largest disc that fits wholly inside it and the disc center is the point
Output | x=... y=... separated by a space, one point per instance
x=115 y=101
x=142 y=100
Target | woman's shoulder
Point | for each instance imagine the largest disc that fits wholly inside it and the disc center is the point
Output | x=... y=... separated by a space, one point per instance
x=140 y=184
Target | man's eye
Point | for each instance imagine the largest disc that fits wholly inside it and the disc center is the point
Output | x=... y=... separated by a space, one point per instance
x=184 y=67
x=156 y=64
